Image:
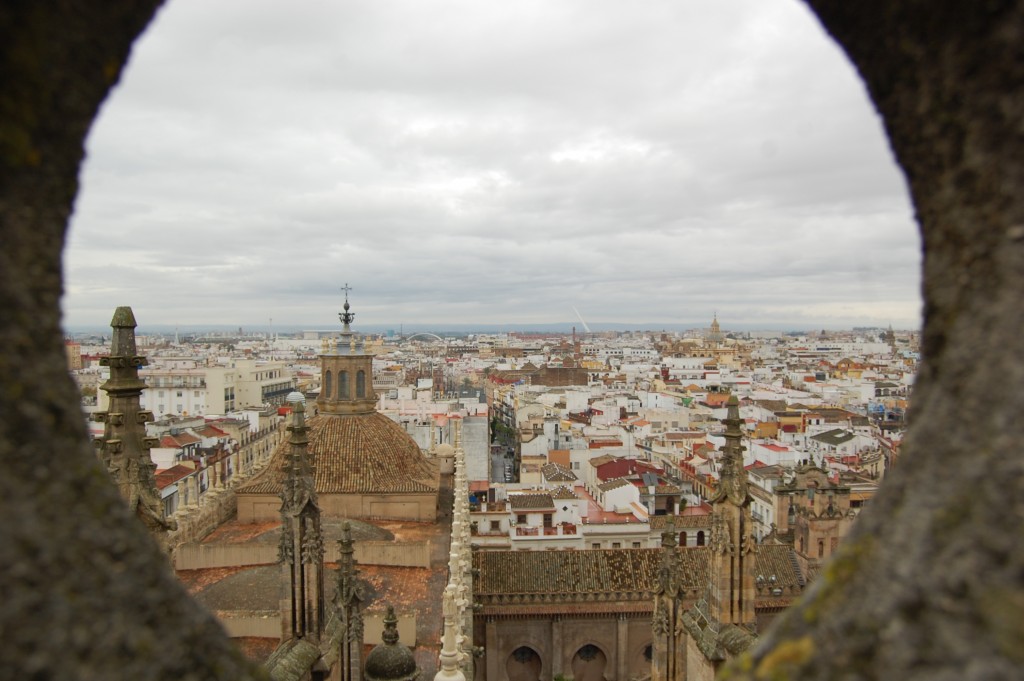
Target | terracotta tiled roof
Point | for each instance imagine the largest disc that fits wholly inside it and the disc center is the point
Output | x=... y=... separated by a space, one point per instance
x=563 y=492
x=575 y=573
x=682 y=522
x=772 y=405
x=172 y=475
x=363 y=453
x=685 y=435
x=179 y=440
x=614 y=484
x=554 y=472
x=567 y=573
x=211 y=431
x=531 y=501
x=776 y=559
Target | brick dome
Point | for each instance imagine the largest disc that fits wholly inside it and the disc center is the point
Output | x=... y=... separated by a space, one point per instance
x=355 y=454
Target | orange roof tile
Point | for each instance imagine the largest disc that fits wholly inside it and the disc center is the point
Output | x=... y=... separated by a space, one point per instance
x=362 y=453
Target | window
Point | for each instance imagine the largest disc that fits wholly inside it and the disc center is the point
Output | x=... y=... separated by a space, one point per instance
x=343 y=384
x=821 y=548
x=495 y=526
x=179 y=393
x=327 y=384
x=595 y=545
x=636 y=545
x=700 y=538
x=616 y=545
x=195 y=393
x=682 y=538
x=547 y=520
x=521 y=519
x=361 y=383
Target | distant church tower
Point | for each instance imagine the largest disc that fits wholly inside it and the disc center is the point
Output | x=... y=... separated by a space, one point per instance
x=302 y=548
x=124 y=447
x=346 y=372
x=890 y=338
x=715 y=335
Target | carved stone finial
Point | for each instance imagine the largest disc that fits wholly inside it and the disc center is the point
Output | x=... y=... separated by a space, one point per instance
x=390 y=635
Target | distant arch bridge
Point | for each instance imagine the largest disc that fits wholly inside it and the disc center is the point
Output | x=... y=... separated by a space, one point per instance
x=424 y=333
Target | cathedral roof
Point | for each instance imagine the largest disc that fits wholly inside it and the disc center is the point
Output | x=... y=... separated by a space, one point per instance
x=569 y=575
x=353 y=454
x=567 y=572
x=682 y=522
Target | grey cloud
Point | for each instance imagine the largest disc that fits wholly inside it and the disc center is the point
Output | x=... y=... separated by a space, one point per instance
x=486 y=162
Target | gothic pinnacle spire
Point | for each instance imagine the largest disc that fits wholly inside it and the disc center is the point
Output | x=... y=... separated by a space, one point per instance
x=124 y=447
x=299 y=471
x=733 y=483
x=301 y=548
x=390 y=635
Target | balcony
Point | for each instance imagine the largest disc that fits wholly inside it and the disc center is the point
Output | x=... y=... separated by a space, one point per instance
x=491 y=507
x=563 y=530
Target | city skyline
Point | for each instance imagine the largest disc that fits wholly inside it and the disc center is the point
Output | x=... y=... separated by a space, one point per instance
x=269 y=327
x=492 y=164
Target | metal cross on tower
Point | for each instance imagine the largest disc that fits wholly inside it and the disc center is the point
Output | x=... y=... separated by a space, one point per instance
x=346 y=317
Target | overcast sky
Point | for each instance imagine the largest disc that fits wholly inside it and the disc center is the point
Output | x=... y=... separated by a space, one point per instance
x=485 y=161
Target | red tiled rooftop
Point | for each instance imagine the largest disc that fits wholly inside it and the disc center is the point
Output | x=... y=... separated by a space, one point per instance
x=179 y=440
x=171 y=475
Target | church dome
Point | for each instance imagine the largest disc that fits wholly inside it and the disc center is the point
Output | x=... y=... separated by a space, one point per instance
x=356 y=454
x=366 y=453
x=390 y=660
x=444 y=449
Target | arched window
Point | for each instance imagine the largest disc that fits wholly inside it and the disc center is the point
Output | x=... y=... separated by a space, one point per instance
x=700 y=537
x=821 y=548
x=682 y=538
x=343 y=384
x=589 y=663
x=361 y=384
x=523 y=665
x=327 y=384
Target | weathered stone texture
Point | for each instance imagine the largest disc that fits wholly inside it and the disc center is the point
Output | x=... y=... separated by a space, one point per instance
x=86 y=593
x=930 y=582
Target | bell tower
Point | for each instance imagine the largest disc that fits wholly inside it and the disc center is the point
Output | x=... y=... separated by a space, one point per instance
x=346 y=371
